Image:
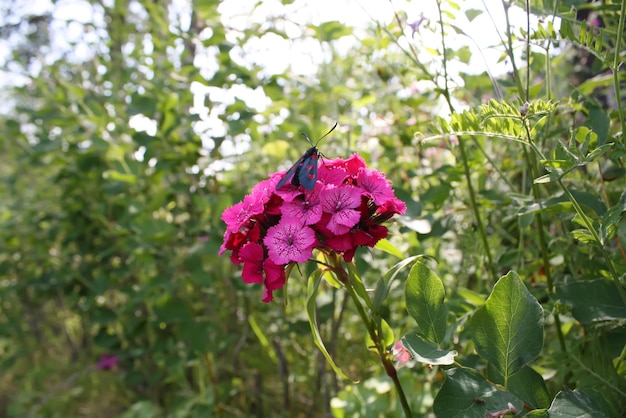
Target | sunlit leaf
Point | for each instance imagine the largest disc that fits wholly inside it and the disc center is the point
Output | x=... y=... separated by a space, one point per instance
x=427 y=352
x=425 y=302
x=508 y=329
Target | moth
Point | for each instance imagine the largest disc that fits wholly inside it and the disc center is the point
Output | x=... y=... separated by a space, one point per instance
x=304 y=171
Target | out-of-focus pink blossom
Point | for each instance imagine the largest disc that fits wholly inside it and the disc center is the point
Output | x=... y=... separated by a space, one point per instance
x=503 y=412
x=106 y=362
x=400 y=354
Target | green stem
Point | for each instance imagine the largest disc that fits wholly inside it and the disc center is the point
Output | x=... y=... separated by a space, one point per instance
x=509 y=48
x=617 y=63
x=466 y=169
x=372 y=329
x=527 y=92
x=543 y=246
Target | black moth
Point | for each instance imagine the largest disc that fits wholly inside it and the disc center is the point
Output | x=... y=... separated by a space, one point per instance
x=304 y=171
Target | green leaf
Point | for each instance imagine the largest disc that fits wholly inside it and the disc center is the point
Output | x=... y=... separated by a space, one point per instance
x=425 y=302
x=206 y=9
x=383 y=285
x=508 y=329
x=357 y=283
x=527 y=384
x=426 y=352
x=563 y=164
x=389 y=248
x=123 y=177
x=142 y=409
x=312 y=286
x=537 y=413
x=466 y=394
x=599 y=122
x=574 y=404
x=593 y=300
x=258 y=331
x=329 y=31
x=583 y=235
x=473 y=14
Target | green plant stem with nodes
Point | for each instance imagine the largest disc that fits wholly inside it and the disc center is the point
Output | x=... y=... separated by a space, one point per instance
x=617 y=63
x=531 y=163
x=372 y=324
x=466 y=170
x=509 y=49
x=534 y=172
x=527 y=91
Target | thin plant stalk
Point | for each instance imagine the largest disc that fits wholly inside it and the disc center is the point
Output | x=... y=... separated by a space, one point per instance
x=466 y=170
x=372 y=329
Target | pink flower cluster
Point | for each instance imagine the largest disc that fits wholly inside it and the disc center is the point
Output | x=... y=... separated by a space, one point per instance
x=271 y=228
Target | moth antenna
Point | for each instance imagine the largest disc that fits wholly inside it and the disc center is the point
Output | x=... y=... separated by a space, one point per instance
x=307 y=138
x=319 y=140
x=326 y=134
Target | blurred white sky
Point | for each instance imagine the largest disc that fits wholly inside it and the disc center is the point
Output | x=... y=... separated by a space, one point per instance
x=275 y=53
x=272 y=52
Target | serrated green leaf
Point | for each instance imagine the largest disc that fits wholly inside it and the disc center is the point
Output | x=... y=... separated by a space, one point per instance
x=425 y=302
x=508 y=329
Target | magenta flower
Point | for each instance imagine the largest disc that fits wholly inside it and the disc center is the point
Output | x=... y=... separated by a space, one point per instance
x=236 y=216
x=376 y=185
x=271 y=228
x=274 y=279
x=106 y=362
x=252 y=256
x=341 y=203
x=290 y=241
x=305 y=206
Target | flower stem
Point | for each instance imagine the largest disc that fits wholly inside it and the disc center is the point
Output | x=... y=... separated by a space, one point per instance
x=372 y=324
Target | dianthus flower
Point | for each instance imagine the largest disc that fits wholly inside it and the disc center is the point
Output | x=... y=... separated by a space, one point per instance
x=271 y=228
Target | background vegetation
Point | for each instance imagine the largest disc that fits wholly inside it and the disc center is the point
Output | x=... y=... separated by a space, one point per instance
x=115 y=174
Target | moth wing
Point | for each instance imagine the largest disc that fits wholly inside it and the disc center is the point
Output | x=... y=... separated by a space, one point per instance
x=290 y=173
x=308 y=171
